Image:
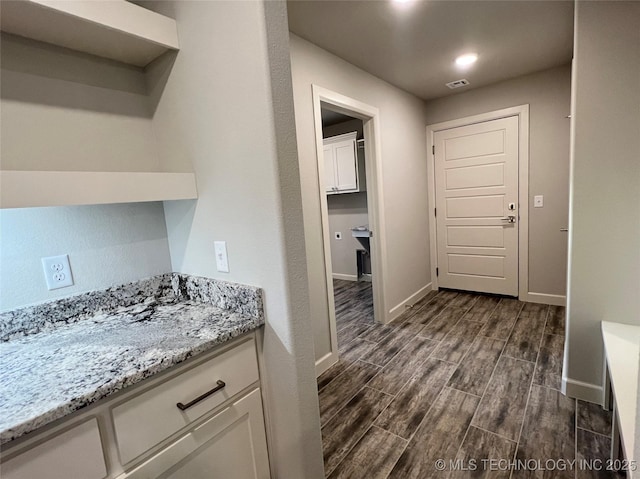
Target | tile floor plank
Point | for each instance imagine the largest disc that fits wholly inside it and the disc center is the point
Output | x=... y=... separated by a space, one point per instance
x=406 y=411
x=339 y=391
x=439 y=436
x=456 y=344
x=502 y=408
x=399 y=370
x=593 y=418
x=373 y=456
x=549 y=365
x=548 y=432
x=433 y=308
x=500 y=323
x=524 y=341
x=481 y=451
x=351 y=352
x=482 y=309
x=387 y=348
x=556 y=320
x=594 y=449
x=346 y=428
x=473 y=374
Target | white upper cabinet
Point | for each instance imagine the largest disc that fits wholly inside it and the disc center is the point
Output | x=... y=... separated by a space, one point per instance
x=342 y=166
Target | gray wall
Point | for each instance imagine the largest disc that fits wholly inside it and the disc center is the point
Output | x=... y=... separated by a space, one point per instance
x=548 y=94
x=604 y=271
x=106 y=244
x=62 y=110
x=227 y=106
x=404 y=156
x=345 y=211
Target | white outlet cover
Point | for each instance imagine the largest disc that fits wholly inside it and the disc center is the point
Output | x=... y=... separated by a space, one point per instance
x=57 y=271
x=538 y=201
x=222 y=260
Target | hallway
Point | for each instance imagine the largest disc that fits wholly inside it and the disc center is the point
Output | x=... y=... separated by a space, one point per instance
x=460 y=376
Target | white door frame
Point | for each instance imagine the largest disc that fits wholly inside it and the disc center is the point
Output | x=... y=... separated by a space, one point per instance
x=373 y=165
x=522 y=112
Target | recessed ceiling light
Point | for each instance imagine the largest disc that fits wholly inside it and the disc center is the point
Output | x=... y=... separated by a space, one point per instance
x=466 y=59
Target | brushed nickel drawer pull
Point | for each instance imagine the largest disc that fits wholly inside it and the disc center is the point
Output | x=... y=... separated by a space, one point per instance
x=220 y=385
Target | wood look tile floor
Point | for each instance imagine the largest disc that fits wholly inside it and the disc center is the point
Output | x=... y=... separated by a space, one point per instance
x=459 y=377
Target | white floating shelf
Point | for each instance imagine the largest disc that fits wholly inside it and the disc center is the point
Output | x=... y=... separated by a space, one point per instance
x=24 y=189
x=113 y=29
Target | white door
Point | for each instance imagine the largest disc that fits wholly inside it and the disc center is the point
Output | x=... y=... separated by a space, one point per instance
x=476 y=176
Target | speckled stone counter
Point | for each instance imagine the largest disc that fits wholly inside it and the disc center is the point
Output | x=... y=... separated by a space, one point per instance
x=58 y=357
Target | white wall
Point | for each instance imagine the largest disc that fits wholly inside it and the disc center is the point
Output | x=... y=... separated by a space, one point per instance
x=548 y=94
x=604 y=267
x=106 y=244
x=402 y=129
x=227 y=106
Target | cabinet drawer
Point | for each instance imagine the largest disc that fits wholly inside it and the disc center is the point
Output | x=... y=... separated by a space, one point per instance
x=144 y=421
x=74 y=453
x=232 y=444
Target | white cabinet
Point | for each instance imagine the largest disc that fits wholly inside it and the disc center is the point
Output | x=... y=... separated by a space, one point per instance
x=231 y=444
x=77 y=452
x=343 y=167
x=199 y=420
x=136 y=420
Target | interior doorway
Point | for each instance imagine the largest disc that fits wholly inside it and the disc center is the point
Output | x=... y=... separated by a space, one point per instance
x=348 y=166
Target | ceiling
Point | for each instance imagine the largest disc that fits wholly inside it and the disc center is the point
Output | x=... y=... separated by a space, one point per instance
x=413 y=44
x=333 y=118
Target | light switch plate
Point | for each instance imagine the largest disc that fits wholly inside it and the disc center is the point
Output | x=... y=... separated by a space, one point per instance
x=538 y=201
x=222 y=260
x=57 y=271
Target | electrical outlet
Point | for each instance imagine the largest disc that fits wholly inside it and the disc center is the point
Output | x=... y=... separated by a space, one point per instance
x=57 y=271
x=538 y=201
x=222 y=260
x=338 y=235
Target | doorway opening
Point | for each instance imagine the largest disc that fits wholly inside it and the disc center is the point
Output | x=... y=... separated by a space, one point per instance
x=350 y=190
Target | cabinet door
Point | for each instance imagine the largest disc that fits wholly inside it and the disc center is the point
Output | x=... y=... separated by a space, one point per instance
x=329 y=169
x=74 y=453
x=345 y=156
x=232 y=444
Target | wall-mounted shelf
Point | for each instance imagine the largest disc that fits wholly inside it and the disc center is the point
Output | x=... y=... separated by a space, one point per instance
x=23 y=189
x=114 y=29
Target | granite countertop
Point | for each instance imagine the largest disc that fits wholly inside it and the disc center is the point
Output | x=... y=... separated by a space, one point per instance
x=58 y=357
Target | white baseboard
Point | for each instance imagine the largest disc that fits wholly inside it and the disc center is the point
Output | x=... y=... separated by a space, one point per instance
x=414 y=298
x=345 y=277
x=542 y=298
x=325 y=362
x=581 y=390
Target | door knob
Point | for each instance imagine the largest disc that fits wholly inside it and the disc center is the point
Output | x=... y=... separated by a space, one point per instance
x=510 y=219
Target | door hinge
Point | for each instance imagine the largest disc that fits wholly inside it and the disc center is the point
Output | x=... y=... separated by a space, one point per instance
x=433 y=149
x=437 y=272
x=435 y=212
